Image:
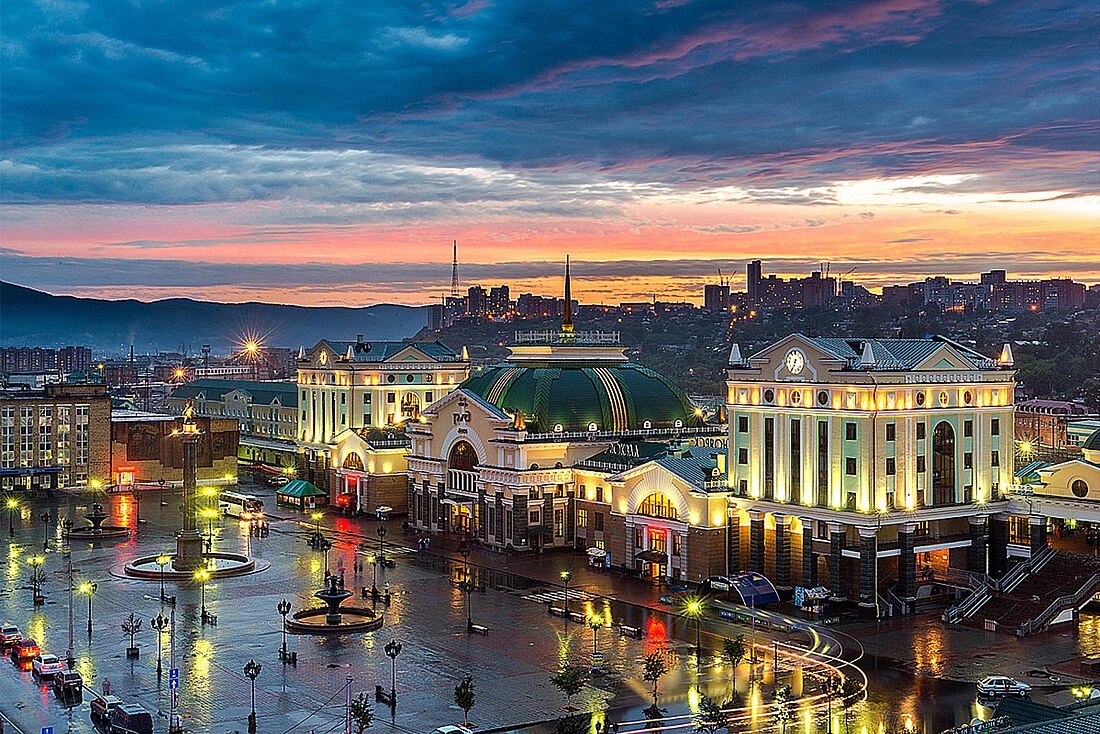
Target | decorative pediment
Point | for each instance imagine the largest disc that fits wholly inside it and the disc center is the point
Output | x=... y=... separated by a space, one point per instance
x=946 y=357
x=410 y=354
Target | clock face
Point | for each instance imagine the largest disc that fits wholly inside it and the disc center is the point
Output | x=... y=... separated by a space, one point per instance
x=795 y=362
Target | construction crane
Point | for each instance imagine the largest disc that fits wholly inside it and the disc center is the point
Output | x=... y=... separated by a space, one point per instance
x=840 y=278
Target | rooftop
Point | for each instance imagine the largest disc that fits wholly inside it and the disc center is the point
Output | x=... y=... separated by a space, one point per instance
x=262 y=392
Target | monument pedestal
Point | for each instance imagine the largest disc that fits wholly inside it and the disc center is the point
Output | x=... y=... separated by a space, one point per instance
x=188 y=551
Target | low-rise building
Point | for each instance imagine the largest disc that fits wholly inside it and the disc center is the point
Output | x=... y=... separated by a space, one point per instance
x=146 y=450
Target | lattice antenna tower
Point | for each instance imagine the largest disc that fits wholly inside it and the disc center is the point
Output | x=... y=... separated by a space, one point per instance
x=454 y=270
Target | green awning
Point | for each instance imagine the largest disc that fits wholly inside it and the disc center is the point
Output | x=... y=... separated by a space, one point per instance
x=300 y=488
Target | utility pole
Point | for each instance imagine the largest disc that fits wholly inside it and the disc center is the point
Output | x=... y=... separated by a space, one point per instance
x=347 y=707
x=69 y=556
x=454 y=270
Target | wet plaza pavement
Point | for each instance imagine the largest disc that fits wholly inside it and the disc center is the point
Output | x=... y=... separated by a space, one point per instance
x=511 y=666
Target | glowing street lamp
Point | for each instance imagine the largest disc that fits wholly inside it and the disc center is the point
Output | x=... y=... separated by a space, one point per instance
x=317 y=523
x=284 y=609
x=202 y=576
x=252 y=670
x=565 y=576
x=89 y=588
x=12 y=505
x=693 y=609
x=36 y=578
x=162 y=561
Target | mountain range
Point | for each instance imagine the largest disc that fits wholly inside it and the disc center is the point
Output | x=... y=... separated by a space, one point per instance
x=32 y=318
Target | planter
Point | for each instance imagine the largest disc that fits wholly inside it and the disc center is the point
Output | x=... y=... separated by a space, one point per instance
x=132 y=652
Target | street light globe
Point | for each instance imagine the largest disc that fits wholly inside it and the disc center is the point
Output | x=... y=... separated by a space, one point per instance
x=12 y=503
x=202 y=575
x=36 y=560
x=565 y=575
x=87 y=588
x=164 y=560
x=693 y=607
x=317 y=515
x=95 y=483
x=209 y=491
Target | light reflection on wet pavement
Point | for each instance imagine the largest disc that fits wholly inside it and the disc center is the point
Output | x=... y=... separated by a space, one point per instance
x=511 y=666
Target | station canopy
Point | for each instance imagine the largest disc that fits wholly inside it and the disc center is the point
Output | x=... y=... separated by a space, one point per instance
x=755 y=588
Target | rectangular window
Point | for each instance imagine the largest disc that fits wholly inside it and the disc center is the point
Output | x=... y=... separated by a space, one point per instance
x=366 y=397
x=968 y=460
x=582 y=517
x=391 y=397
x=742 y=424
x=676 y=544
x=891 y=467
x=822 y=498
x=795 y=489
x=850 y=467
x=921 y=528
x=995 y=427
x=598 y=518
x=26 y=436
x=428 y=397
x=849 y=431
x=559 y=523
x=343 y=398
x=920 y=430
x=921 y=467
x=968 y=428
x=995 y=458
x=769 y=458
x=599 y=494
x=7 y=438
x=639 y=540
x=891 y=432
x=535 y=518
x=743 y=456
x=743 y=486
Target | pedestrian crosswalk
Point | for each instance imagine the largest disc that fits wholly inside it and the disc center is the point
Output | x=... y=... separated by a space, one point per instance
x=390 y=550
x=559 y=595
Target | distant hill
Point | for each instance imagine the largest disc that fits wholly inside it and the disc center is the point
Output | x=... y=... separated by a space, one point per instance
x=33 y=318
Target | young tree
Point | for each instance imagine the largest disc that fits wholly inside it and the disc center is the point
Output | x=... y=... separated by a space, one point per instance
x=734 y=650
x=655 y=667
x=571 y=725
x=830 y=689
x=784 y=707
x=570 y=680
x=464 y=698
x=362 y=715
x=131 y=626
x=851 y=693
x=712 y=717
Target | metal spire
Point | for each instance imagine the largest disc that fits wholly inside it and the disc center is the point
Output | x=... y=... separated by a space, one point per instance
x=567 y=322
x=454 y=270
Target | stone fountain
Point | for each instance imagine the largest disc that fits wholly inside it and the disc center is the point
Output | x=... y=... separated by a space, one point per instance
x=338 y=619
x=96 y=530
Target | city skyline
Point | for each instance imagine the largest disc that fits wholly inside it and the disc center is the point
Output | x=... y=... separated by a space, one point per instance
x=331 y=156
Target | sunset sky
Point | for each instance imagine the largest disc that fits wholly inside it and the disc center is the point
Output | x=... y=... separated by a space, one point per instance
x=325 y=152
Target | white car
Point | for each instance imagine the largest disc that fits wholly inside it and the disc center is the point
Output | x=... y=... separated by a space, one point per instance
x=718 y=583
x=47 y=665
x=1002 y=685
x=452 y=730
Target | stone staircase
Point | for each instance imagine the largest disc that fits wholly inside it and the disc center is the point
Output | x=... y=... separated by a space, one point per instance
x=1033 y=597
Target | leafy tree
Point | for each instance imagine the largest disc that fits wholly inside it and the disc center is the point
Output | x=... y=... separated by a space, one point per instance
x=784 y=706
x=131 y=626
x=734 y=650
x=712 y=716
x=571 y=725
x=851 y=693
x=830 y=689
x=465 y=698
x=362 y=715
x=570 y=680
x=655 y=667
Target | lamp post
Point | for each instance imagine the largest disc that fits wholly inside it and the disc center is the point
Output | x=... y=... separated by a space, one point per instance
x=160 y=623
x=252 y=669
x=381 y=545
x=373 y=561
x=202 y=576
x=89 y=588
x=36 y=579
x=317 y=526
x=69 y=564
x=393 y=649
x=694 y=610
x=162 y=561
x=45 y=518
x=12 y=505
x=326 y=546
x=284 y=609
x=464 y=551
x=137 y=505
x=565 y=577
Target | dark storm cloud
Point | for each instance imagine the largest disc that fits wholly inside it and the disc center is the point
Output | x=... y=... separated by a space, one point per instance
x=782 y=95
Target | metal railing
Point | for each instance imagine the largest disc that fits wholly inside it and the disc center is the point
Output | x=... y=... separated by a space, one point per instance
x=459 y=480
x=558 y=337
x=1016 y=576
x=640 y=432
x=1062 y=603
x=969 y=606
x=970 y=579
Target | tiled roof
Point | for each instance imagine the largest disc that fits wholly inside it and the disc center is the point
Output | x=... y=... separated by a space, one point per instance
x=381 y=351
x=1030 y=472
x=262 y=393
x=1092 y=443
x=693 y=464
x=891 y=354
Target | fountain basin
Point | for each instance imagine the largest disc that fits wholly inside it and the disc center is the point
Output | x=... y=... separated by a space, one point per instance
x=103 y=532
x=315 y=621
x=224 y=565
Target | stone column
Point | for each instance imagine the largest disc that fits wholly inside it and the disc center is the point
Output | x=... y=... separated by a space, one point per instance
x=782 y=551
x=809 y=562
x=975 y=557
x=907 y=561
x=188 y=540
x=733 y=541
x=756 y=542
x=1038 y=533
x=868 y=568
x=836 y=560
x=998 y=546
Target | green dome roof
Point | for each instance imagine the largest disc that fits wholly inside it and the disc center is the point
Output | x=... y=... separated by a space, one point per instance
x=1092 y=443
x=616 y=397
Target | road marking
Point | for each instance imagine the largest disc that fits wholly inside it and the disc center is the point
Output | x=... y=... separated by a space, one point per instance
x=559 y=595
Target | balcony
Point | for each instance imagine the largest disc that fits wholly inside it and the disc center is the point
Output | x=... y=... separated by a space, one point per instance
x=461 y=480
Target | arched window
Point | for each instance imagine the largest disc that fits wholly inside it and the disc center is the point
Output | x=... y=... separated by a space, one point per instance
x=410 y=406
x=943 y=464
x=462 y=457
x=353 y=461
x=658 y=505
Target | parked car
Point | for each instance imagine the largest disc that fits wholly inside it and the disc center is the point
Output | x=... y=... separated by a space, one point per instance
x=1002 y=685
x=68 y=685
x=9 y=635
x=718 y=583
x=45 y=665
x=452 y=730
x=103 y=707
x=24 y=650
x=129 y=718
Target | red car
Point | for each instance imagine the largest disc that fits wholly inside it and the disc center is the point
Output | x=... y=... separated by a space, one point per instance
x=24 y=651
